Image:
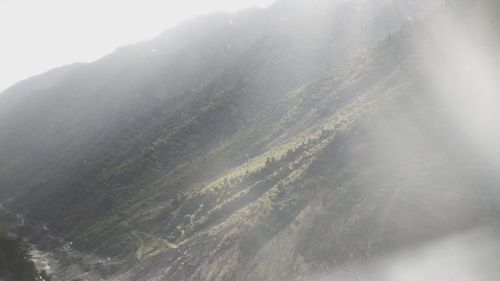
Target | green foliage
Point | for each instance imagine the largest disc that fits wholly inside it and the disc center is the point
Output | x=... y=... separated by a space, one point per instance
x=15 y=261
x=242 y=143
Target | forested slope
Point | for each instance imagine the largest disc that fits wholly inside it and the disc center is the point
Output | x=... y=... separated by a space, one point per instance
x=270 y=144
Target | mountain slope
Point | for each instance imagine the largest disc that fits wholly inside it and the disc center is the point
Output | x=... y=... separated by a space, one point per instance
x=116 y=137
x=303 y=153
x=396 y=178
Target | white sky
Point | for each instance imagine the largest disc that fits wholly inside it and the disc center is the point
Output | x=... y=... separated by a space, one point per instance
x=37 y=35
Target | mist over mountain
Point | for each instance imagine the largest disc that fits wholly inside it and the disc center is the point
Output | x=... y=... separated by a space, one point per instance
x=310 y=140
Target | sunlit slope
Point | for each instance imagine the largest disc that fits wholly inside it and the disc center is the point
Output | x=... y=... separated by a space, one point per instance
x=154 y=121
x=249 y=206
x=281 y=167
x=378 y=164
x=61 y=122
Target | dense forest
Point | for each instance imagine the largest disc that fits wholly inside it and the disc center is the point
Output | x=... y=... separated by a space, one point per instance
x=15 y=260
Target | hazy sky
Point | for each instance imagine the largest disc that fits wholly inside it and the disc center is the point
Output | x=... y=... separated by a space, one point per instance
x=37 y=35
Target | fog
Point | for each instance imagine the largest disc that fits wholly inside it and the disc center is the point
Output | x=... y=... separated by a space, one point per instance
x=343 y=140
x=470 y=256
x=461 y=62
x=442 y=147
x=39 y=35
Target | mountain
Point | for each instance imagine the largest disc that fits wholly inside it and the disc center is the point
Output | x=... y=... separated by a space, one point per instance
x=269 y=144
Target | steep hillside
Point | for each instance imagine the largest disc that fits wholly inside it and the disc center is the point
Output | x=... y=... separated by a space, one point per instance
x=126 y=122
x=140 y=93
x=379 y=164
x=68 y=118
x=312 y=137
